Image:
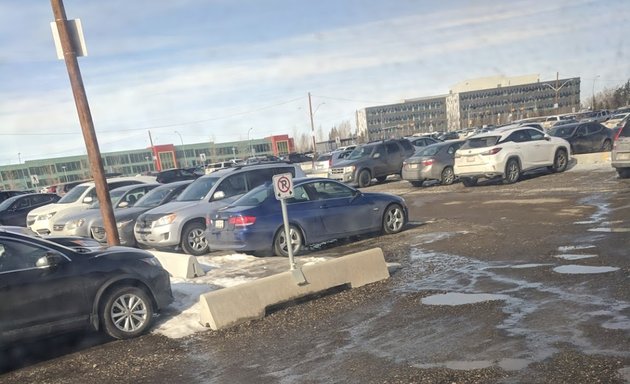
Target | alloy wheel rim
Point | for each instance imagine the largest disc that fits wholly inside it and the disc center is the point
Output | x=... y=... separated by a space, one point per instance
x=449 y=176
x=129 y=313
x=394 y=219
x=295 y=243
x=197 y=240
x=513 y=172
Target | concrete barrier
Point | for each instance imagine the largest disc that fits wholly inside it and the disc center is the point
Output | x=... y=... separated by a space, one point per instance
x=180 y=265
x=241 y=303
x=593 y=158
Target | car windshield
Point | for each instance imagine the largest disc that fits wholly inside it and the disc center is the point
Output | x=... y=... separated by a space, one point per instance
x=430 y=150
x=323 y=158
x=73 y=195
x=7 y=203
x=114 y=196
x=198 y=189
x=480 y=142
x=254 y=197
x=619 y=116
x=362 y=151
x=153 y=198
x=562 y=131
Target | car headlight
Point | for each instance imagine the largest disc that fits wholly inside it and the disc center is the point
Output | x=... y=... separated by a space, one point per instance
x=123 y=223
x=46 y=216
x=349 y=169
x=152 y=261
x=74 y=224
x=164 y=220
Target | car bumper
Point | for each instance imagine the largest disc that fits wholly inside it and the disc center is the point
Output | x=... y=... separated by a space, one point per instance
x=424 y=173
x=248 y=239
x=620 y=159
x=342 y=177
x=42 y=227
x=125 y=234
x=478 y=170
x=63 y=231
x=160 y=236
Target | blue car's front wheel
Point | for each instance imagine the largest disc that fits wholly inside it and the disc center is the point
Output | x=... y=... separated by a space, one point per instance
x=393 y=219
x=280 y=244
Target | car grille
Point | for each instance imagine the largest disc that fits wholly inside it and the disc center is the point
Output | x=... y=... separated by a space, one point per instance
x=336 y=170
x=58 y=227
x=99 y=234
x=144 y=223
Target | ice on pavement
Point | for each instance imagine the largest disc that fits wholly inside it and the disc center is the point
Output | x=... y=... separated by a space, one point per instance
x=181 y=318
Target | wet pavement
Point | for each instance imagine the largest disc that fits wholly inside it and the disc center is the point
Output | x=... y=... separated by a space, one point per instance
x=525 y=283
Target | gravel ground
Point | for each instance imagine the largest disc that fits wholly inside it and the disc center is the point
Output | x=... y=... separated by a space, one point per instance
x=543 y=326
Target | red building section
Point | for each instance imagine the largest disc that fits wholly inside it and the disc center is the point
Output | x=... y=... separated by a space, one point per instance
x=164 y=156
x=282 y=145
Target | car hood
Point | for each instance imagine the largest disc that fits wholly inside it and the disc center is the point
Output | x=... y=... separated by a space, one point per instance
x=83 y=214
x=114 y=253
x=124 y=214
x=347 y=163
x=54 y=207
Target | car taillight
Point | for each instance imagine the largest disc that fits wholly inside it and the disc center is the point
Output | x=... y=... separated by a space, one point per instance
x=242 y=221
x=491 y=152
x=208 y=221
x=427 y=162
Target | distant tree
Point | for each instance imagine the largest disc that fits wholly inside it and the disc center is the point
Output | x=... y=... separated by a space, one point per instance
x=610 y=98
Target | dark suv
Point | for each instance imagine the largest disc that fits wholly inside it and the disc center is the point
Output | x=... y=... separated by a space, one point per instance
x=377 y=159
x=176 y=174
x=181 y=223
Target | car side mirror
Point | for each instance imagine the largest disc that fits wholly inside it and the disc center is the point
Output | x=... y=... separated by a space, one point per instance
x=218 y=195
x=50 y=259
x=356 y=194
x=547 y=137
x=88 y=200
x=123 y=204
x=376 y=155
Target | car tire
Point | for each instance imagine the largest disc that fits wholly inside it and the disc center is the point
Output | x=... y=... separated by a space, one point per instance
x=126 y=312
x=560 y=161
x=194 y=239
x=623 y=173
x=448 y=176
x=512 y=172
x=607 y=146
x=364 y=178
x=469 y=181
x=393 y=219
x=416 y=183
x=280 y=245
x=381 y=179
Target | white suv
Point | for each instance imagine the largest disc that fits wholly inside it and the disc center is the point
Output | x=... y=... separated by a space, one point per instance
x=77 y=199
x=508 y=152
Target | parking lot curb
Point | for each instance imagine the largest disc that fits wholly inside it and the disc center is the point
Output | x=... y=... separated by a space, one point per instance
x=179 y=265
x=244 y=302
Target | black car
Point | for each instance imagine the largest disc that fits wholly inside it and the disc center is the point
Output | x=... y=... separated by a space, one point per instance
x=126 y=218
x=13 y=211
x=176 y=174
x=585 y=137
x=47 y=288
x=6 y=194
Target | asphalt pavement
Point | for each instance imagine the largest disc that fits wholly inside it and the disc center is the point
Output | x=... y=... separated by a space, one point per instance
x=522 y=283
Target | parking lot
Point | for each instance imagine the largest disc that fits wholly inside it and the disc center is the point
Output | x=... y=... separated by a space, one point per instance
x=495 y=283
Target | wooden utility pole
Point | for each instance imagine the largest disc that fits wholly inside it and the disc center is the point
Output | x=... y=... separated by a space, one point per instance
x=87 y=125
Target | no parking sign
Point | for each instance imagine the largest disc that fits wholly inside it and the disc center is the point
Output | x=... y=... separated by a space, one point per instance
x=283 y=186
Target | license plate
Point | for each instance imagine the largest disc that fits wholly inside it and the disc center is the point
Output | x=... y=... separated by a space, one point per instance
x=218 y=224
x=412 y=166
x=470 y=159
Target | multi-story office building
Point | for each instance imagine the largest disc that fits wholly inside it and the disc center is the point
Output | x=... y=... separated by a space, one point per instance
x=472 y=103
x=33 y=174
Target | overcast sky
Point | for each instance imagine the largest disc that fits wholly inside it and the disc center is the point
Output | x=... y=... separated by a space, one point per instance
x=213 y=69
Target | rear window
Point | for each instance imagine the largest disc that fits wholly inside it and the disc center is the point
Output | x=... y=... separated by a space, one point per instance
x=625 y=130
x=73 y=195
x=324 y=158
x=481 y=142
x=431 y=150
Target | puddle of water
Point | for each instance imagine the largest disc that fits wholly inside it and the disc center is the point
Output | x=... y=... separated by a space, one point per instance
x=567 y=248
x=432 y=237
x=571 y=256
x=455 y=298
x=505 y=364
x=615 y=230
x=583 y=269
x=602 y=209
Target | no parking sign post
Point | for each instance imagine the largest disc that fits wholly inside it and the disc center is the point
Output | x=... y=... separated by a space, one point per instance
x=283 y=189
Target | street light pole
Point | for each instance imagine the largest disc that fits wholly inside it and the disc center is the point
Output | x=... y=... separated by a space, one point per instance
x=64 y=172
x=596 y=76
x=183 y=149
x=312 y=113
x=557 y=90
x=249 y=143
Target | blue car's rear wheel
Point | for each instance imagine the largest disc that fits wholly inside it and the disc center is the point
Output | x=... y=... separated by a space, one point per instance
x=280 y=244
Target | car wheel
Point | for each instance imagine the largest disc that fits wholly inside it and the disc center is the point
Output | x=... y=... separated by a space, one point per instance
x=623 y=173
x=560 y=161
x=127 y=312
x=607 y=146
x=280 y=241
x=448 y=176
x=381 y=179
x=364 y=179
x=512 y=172
x=393 y=219
x=469 y=181
x=417 y=183
x=194 y=239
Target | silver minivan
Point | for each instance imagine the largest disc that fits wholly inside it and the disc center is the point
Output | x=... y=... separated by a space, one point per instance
x=620 y=155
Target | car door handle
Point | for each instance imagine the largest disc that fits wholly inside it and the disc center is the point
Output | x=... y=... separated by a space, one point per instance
x=323 y=206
